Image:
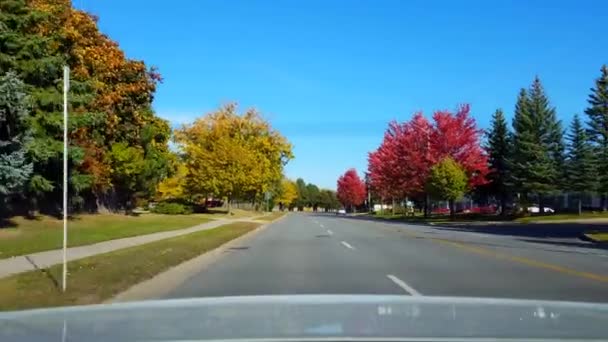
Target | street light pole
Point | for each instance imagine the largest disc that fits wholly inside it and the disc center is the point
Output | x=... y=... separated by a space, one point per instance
x=66 y=86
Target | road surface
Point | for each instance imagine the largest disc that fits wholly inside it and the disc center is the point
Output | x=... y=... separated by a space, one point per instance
x=307 y=253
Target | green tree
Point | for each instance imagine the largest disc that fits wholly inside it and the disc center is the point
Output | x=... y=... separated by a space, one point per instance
x=15 y=169
x=302 y=200
x=447 y=180
x=499 y=151
x=127 y=164
x=597 y=114
x=313 y=196
x=580 y=168
x=537 y=144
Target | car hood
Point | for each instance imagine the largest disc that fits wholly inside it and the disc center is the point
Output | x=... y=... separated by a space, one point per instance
x=311 y=317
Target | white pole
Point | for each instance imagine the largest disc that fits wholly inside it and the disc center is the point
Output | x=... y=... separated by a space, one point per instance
x=66 y=85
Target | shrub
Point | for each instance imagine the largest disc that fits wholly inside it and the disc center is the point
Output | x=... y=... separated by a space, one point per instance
x=171 y=208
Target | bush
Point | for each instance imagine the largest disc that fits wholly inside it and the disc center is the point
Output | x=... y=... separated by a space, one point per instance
x=170 y=208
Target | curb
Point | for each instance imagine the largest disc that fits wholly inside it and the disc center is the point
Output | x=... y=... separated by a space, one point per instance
x=164 y=282
x=588 y=236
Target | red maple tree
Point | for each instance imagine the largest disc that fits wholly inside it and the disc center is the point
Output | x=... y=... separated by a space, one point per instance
x=401 y=164
x=351 y=189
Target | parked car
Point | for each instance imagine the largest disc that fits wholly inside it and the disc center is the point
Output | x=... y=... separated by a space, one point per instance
x=536 y=210
x=341 y=212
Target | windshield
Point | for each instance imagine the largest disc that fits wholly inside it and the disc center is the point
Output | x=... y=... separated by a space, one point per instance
x=188 y=150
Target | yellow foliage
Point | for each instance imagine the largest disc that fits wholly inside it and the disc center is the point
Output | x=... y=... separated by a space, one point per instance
x=173 y=187
x=288 y=192
x=232 y=155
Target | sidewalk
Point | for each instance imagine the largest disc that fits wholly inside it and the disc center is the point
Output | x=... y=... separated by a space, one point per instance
x=30 y=262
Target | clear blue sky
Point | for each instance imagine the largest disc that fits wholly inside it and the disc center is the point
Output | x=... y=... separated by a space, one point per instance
x=331 y=74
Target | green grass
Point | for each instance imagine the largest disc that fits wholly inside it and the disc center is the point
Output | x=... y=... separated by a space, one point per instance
x=598 y=236
x=98 y=278
x=272 y=216
x=24 y=236
x=559 y=217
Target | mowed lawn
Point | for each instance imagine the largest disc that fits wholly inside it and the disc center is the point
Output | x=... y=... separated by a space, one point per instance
x=24 y=236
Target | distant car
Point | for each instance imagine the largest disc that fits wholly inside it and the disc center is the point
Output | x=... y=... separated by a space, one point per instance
x=536 y=210
x=341 y=212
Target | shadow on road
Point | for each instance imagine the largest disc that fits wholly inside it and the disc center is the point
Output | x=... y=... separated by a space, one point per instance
x=529 y=232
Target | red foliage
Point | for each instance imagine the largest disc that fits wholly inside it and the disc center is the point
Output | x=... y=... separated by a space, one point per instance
x=400 y=166
x=351 y=189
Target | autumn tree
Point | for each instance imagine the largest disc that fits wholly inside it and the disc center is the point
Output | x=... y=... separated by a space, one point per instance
x=580 y=168
x=597 y=115
x=15 y=169
x=498 y=151
x=302 y=199
x=351 y=189
x=288 y=194
x=448 y=180
x=110 y=103
x=232 y=156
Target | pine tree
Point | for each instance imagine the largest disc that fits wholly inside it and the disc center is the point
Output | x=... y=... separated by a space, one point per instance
x=597 y=114
x=499 y=149
x=14 y=134
x=538 y=144
x=580 y=170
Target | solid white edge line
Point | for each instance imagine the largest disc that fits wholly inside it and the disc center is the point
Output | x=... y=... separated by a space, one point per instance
x=347 y=245
x=403 y=285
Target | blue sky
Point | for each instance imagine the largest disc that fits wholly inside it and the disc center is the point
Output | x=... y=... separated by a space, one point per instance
x=331 y=74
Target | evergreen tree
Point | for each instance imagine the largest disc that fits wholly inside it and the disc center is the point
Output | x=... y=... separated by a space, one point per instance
x=14 y=134
x=580 y=170
x=597 y=114
x=499 y=149
x=538 y=144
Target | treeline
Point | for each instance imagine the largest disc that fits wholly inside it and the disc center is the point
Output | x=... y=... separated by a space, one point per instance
x=301 y=196
x=119 y=155
x=533 y=159
x=444 y=159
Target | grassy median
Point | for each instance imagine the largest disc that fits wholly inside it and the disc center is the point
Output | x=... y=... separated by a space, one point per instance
x=24 y=236
x=95 y=279
x=272 y=216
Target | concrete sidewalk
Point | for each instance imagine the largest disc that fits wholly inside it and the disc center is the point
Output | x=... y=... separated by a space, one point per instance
x=30 y=262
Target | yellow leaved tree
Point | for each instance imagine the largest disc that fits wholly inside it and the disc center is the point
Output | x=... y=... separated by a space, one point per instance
x=288 y=193
x=232 y=156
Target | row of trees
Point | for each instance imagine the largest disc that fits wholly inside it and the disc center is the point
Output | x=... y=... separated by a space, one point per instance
x=403 y=164
x=445 y=158
x=534 y=160
x=300 y=195
x=119 y=155
x=118 y=147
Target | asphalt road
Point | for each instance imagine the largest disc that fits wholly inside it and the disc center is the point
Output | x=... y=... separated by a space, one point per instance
x=326 y=254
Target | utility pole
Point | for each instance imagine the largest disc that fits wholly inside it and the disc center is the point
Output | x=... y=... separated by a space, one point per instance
x=66 y=86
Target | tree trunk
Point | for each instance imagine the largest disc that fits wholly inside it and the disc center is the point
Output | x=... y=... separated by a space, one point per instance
x=603 y=202
x=452 y=211
x=229 y=206
x=503 y=204
x=426 y=205
x=580 y=204
x=393 y=207
x=541 y=204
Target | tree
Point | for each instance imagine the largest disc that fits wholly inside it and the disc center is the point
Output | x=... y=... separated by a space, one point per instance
x=537 y=144
x=232 y=156
x=302 y=200
x=351 y=189
x=15 y=169
x=288 y=193
x=448 y=180
x=313 y=196
x=580 y=168
x=499 y=150
x=597 y=114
